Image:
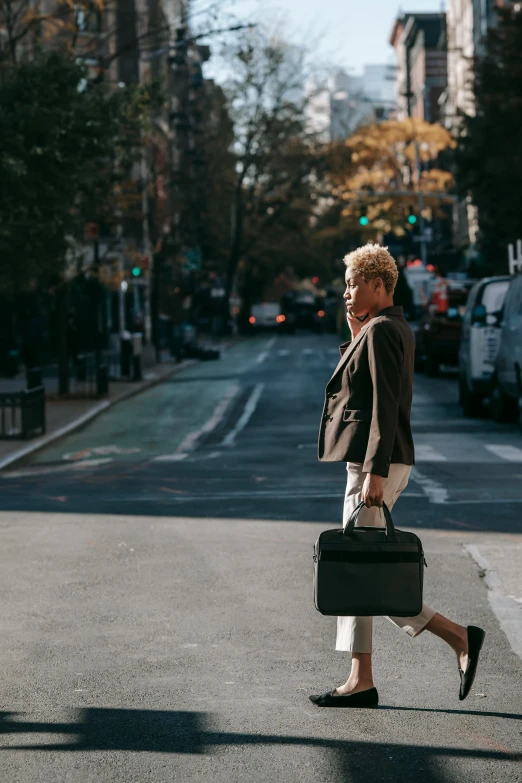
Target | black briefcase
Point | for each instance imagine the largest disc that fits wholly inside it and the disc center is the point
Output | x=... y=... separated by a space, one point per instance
x=368 y=570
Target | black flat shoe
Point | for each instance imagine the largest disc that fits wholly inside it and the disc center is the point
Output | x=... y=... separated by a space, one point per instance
x=369 y=698
x=475 y=641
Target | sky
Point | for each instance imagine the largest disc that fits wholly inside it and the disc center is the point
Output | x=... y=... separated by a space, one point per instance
x=347 y=33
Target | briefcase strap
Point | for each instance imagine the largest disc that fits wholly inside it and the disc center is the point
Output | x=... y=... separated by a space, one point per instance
x=390 y=529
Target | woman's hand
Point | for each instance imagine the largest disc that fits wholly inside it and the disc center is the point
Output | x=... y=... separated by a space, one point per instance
x=373 y=490
x=355 y=324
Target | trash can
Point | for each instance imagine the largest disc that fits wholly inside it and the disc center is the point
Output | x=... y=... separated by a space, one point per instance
x=137 y=351
x=125 y=354
x=102 y=381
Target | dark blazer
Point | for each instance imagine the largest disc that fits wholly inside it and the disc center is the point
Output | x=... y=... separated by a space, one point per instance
x=366 y=414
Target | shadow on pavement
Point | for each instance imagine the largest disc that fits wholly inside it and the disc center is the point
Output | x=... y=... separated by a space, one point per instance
x=255 y=487
x=508 y=715
x=184 y=732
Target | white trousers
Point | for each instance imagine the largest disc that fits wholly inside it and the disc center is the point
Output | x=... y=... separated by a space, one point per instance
x=354 y=634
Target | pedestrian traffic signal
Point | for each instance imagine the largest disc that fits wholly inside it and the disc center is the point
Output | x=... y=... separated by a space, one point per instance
x=136 y=271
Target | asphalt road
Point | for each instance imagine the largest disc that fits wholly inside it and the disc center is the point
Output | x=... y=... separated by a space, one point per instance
x=158 y=622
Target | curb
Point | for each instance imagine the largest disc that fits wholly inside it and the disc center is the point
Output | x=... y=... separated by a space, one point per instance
x=506 y=609
x=92 y=414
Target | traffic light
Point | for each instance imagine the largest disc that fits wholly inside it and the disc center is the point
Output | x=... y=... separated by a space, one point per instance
x=363 y=219
x=412 y=217
x=136 y=271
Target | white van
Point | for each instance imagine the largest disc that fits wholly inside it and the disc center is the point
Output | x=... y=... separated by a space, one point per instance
x=480 y=341
x=506 y=392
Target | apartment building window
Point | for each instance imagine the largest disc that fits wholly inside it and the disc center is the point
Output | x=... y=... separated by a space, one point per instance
x=88 y=18
x=484 y=13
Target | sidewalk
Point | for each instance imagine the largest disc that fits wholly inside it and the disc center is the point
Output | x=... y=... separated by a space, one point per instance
x=63 y=416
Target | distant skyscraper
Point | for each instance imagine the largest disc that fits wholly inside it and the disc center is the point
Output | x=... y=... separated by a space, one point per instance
x=349 y=101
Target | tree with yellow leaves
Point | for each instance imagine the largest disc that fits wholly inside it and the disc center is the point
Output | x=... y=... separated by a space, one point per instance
x=382 y=168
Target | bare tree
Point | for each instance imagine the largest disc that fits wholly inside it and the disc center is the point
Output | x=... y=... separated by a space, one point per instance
x=274 y=150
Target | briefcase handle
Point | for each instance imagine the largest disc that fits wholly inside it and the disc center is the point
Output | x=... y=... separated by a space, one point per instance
x=390 y=529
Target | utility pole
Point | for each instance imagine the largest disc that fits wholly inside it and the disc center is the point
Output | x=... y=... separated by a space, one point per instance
x=423 y=243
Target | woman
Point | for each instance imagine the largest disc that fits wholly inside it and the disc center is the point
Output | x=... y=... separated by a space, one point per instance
x=366 y=423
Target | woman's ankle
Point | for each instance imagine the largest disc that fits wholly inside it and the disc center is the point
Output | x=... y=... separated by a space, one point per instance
x=354 y=686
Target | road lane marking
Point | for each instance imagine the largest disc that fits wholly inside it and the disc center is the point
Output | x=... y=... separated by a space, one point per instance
x=283 y=352
x=261 y=357
x=189 y=443
x=246 y=415
x=43 y=470
x=426 y=453
x=170 y=457
x=76 y=456
x=275 y=494
x=308 y=351
x=481 y=501
x=505 y=608
x=434 y=491
x=509 y=453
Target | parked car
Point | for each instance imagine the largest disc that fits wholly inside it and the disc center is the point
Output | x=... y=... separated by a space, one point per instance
x=307 y=309
x=506 y=389
x=480 y=342
x=270 y=315
x=437 y=334
x=332 y=302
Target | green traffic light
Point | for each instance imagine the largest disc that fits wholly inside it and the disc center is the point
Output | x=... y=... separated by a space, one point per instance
x=363 y=220
x=136 y=271
x=412 y=219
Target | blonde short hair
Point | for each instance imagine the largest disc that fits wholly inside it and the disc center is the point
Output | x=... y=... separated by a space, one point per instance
x=371 y=261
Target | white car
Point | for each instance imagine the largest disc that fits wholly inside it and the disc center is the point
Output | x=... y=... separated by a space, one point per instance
x=269 y=315
x=480 y=341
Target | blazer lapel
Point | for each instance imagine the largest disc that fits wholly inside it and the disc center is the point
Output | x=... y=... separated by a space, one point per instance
x=350 y=349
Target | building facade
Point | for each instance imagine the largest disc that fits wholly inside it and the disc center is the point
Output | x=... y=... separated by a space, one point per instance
x=349 y=101
x=467 y=25
x=421 y=67
x=468 y=22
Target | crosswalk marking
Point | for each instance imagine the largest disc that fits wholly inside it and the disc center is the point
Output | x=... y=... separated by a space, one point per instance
x=426 y=453
x=283 y=352
x=469 y=451
x=308 y=351
x=509 y=453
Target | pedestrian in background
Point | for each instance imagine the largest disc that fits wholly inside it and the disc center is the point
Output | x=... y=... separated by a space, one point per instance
x=403 y=295
x=366 y=423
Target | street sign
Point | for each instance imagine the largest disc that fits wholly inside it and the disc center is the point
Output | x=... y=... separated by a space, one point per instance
x=192 y=262
x=428 y=235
